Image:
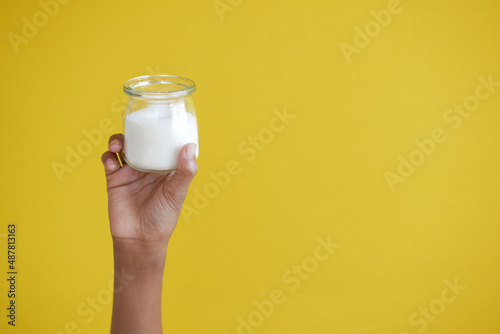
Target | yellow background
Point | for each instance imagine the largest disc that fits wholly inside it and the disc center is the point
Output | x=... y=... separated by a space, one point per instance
x=323 y=175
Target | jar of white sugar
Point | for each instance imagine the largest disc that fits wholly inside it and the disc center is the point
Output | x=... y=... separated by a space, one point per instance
x=159 y=120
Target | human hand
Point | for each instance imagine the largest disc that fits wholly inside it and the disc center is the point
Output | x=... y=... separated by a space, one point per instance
x=144 y=207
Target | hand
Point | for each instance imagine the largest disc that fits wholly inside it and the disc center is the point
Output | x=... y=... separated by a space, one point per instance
x=144 y=207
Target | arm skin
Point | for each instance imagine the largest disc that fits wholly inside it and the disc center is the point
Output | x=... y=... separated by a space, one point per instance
x=143 y=211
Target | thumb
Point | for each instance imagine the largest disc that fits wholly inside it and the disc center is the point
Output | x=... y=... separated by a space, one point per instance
x=185 y=171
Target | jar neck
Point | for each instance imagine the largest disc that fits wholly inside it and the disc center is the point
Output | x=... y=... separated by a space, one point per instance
x=160 y=87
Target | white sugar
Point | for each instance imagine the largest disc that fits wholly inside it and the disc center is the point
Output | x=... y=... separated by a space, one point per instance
x=154 y=135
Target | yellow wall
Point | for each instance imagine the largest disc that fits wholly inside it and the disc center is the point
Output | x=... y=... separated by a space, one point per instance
x=393 y=241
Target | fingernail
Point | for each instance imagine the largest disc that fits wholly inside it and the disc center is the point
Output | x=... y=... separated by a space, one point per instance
x=191 y=151
x=110 y=163
x=114 y=142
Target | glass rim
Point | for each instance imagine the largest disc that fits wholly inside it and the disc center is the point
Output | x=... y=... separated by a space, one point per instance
x=132 y=87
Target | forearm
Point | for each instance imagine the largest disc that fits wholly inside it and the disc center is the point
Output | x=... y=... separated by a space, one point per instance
x=137 y=298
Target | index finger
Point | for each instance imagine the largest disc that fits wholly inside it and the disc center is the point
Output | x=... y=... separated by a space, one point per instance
x=115 y=143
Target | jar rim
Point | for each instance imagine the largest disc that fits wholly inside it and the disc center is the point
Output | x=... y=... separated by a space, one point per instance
x=161 y=86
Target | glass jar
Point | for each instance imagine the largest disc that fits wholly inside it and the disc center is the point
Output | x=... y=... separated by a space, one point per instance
x=159 y=120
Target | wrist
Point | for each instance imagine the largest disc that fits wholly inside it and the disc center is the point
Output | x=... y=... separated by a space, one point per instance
x=139 y=256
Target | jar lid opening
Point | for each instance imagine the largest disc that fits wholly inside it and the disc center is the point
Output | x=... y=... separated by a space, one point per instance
x=159 y=86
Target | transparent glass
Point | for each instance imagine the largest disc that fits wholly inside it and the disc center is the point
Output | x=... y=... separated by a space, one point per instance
x=159 y=120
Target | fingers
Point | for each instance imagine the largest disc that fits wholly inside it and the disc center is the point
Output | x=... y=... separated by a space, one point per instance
x=109 y=158
x=115 y=145
x=184 y=173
